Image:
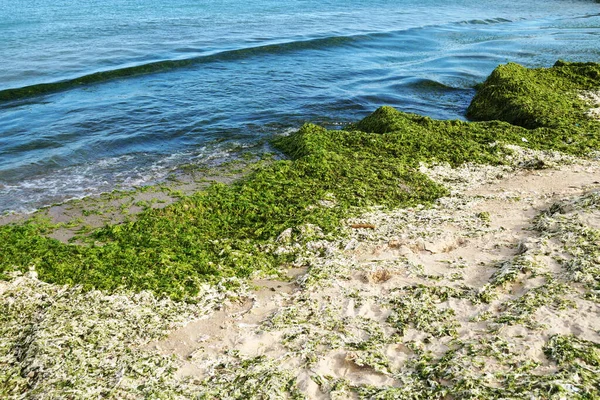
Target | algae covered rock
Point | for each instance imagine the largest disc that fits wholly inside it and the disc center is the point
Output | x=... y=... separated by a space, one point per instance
x=387 y=119
x=535 y=98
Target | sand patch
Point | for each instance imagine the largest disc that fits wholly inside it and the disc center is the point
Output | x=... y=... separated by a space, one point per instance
x=593 y=99
x=232 y=326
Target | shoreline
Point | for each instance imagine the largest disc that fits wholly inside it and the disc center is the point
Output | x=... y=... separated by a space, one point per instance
x=330 y=329
x=449 y=266
x=68 y=220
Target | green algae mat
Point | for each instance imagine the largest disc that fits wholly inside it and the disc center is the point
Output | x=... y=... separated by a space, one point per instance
x=233 y=230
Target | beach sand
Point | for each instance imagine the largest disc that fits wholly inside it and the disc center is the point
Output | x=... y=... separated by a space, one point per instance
x=481 y=280
x=339 y=321
x=491 y=292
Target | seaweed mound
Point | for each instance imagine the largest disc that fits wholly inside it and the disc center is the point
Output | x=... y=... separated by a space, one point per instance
x=536 y=98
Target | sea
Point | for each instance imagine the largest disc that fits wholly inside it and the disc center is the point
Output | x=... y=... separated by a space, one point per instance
x=97 y=95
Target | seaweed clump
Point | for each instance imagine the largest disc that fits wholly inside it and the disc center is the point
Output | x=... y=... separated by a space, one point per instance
x=545 y=99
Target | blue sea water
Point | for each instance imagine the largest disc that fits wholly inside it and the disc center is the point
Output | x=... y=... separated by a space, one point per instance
x=242 y=72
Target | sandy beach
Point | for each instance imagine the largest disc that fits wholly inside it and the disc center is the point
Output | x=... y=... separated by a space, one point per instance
x=357 y=312
x=339 y=321
x=491 y=291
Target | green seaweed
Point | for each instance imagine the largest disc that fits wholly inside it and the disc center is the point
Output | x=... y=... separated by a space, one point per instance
x=568 y=349
x=580 y=253
x=416 y=306
x=461 y=373
x=521 y=309
x=231 y=230
x=536 y=98
x=508 y=272
x=63 y=342
x=254 y=378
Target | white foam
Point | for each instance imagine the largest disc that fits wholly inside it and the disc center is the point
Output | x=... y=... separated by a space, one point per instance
x=122 y=172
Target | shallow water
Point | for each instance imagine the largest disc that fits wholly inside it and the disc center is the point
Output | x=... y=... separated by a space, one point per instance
x=137 y=88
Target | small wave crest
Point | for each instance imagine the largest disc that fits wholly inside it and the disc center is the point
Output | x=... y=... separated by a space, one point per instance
x=490 y=21
x=8 y=95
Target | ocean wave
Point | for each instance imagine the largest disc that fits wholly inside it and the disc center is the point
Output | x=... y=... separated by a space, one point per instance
x=25 y=92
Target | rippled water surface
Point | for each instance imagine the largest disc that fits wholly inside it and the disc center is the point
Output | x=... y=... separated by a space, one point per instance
x=102 y=94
